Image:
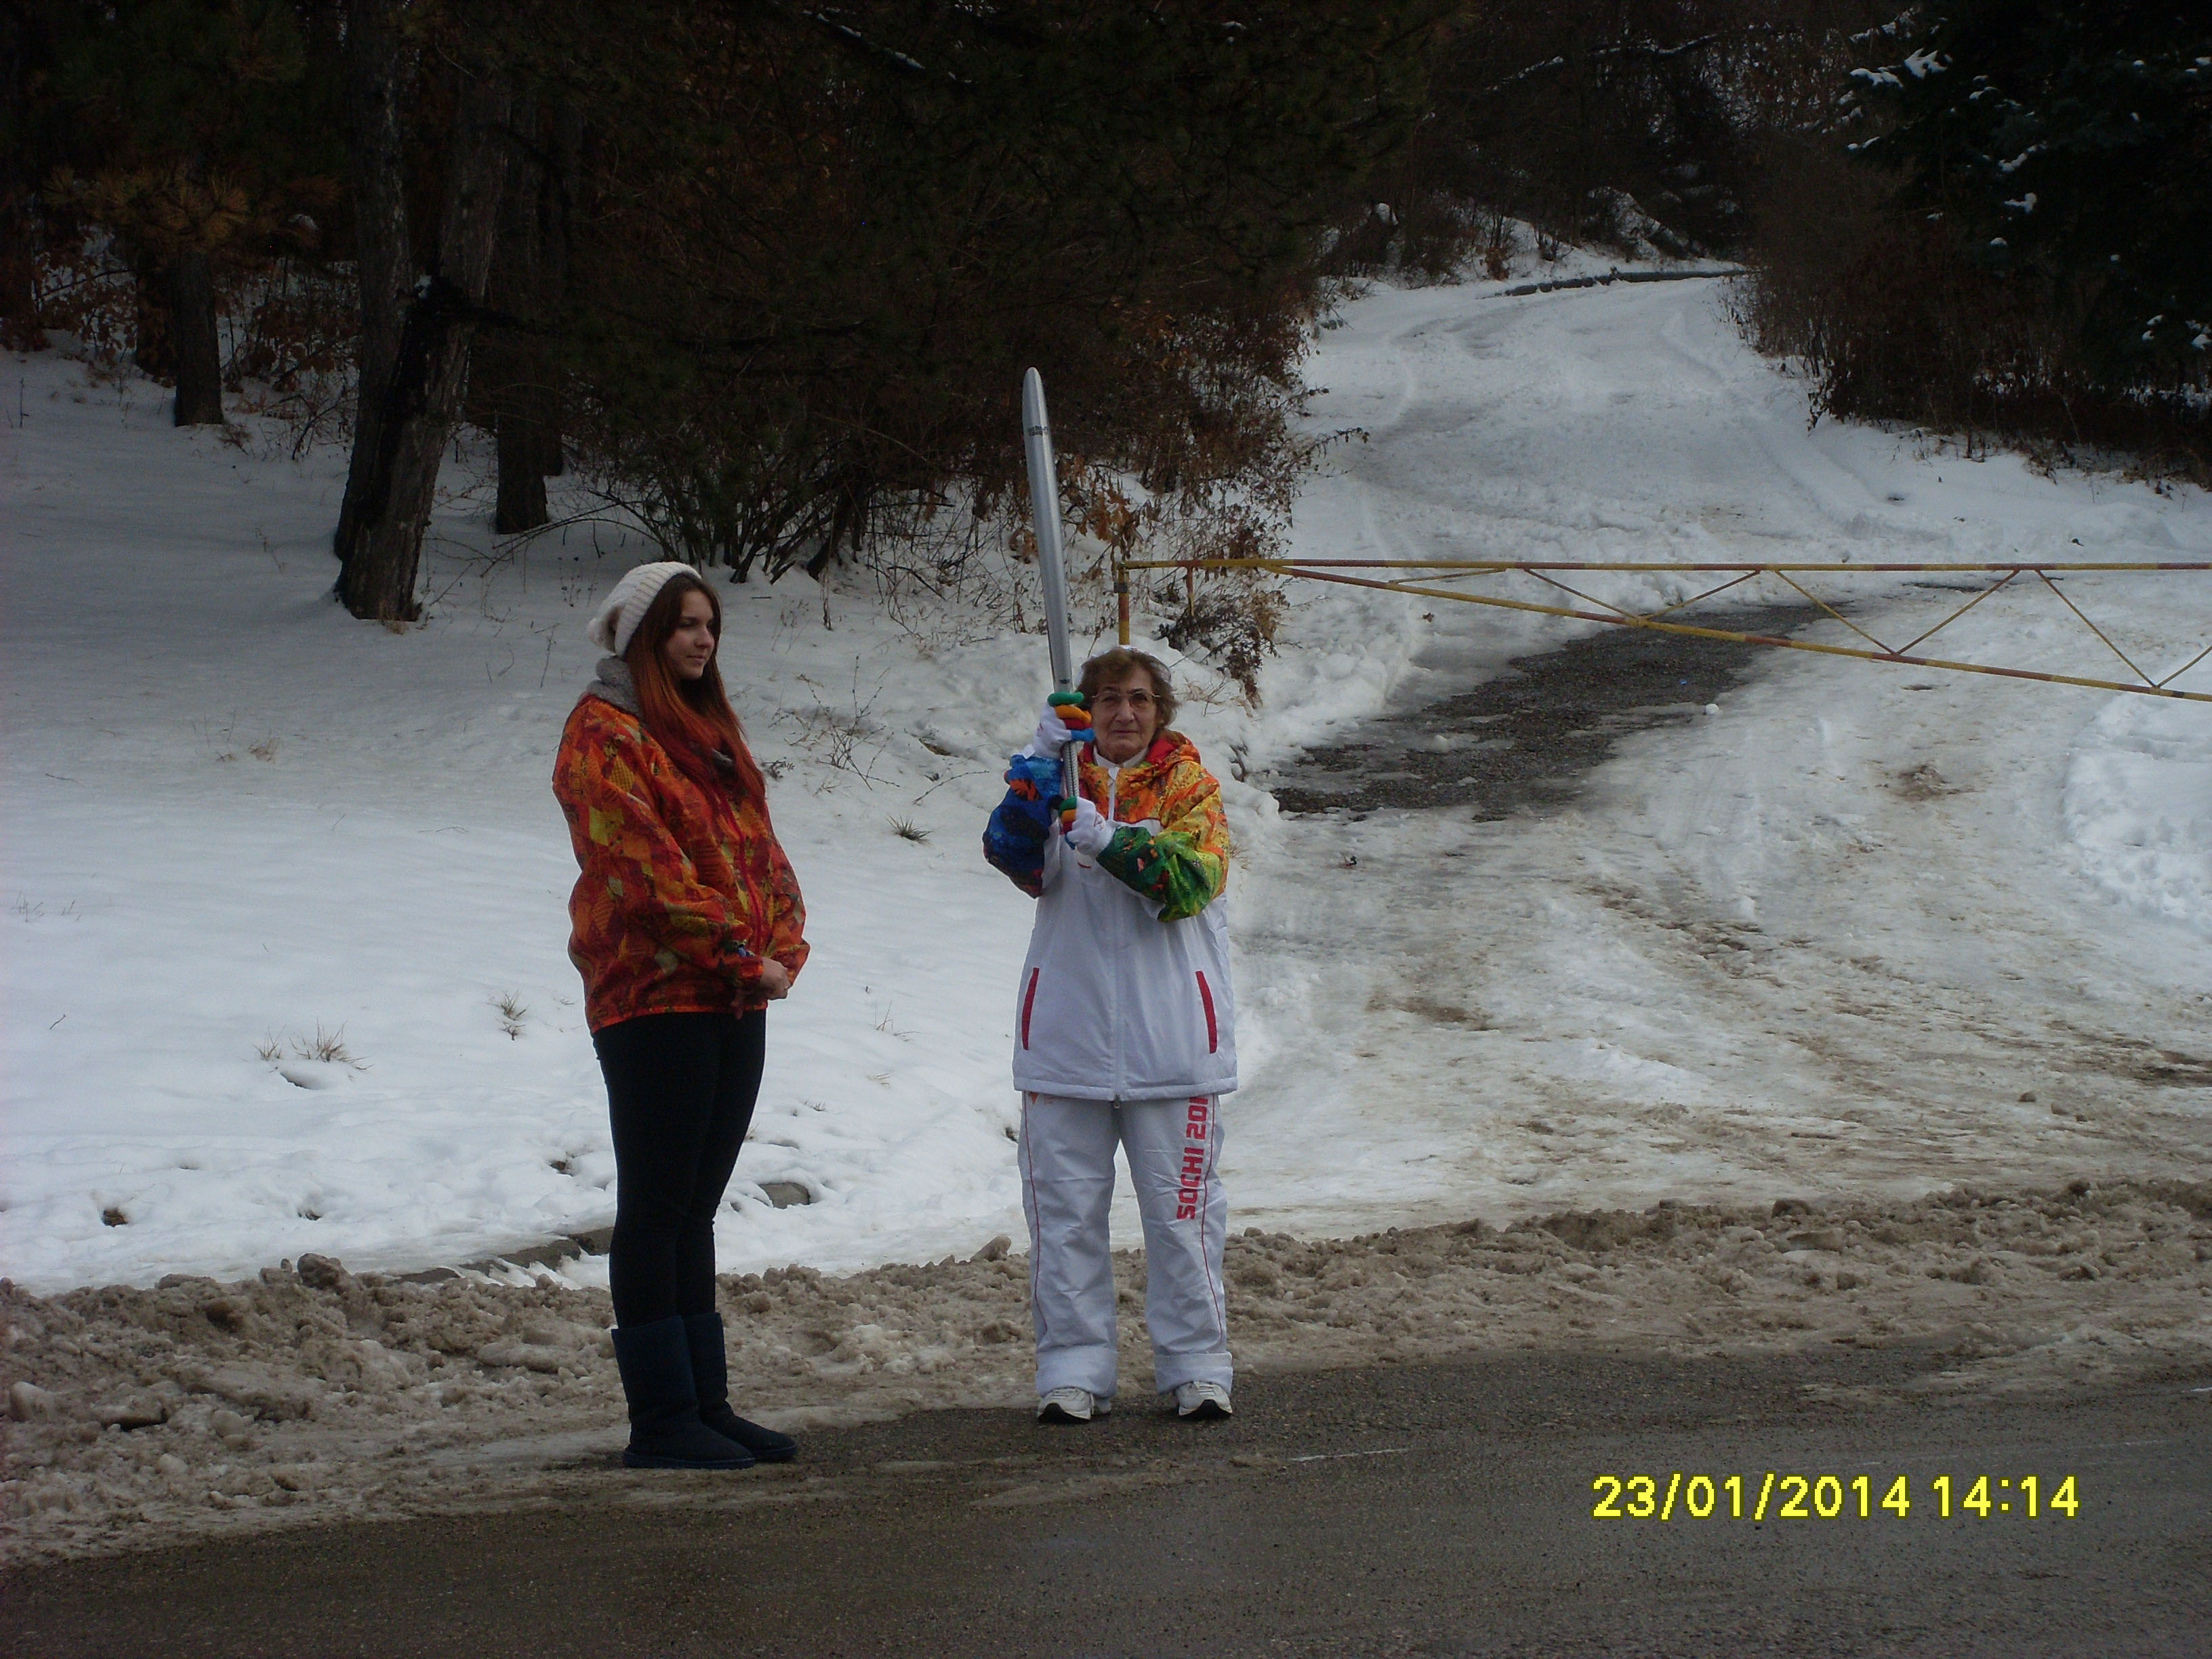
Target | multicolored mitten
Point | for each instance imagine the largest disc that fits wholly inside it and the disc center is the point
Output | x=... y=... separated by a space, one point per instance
x=1068 y=705
x=1014 y=840
x=1064 y=721
x=1084 y=826
x=1033 y=789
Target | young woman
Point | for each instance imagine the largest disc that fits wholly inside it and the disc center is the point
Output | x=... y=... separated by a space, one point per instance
x=688 y=924
x=1124 y=1032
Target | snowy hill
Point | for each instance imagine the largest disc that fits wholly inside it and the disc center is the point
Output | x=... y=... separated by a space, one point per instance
x=1755 y=959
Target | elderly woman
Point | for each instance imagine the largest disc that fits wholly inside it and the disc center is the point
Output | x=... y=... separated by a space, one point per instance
x=688 y=923
x=1124 y=1034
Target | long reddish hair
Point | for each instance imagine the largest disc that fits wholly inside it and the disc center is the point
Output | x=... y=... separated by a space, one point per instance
x=691 y=719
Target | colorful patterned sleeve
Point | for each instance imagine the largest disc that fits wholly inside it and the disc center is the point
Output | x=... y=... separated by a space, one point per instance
x=1185 y=864
x=787 y=926
x=1013 y=841
x=635 y=866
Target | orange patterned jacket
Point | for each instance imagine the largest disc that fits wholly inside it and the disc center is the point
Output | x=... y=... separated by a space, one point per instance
x=684 y=889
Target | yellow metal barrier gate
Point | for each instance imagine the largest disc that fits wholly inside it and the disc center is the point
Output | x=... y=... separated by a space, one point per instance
x=1596 y=609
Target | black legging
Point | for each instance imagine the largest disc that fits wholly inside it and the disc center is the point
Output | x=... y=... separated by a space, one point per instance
x=680 y=1089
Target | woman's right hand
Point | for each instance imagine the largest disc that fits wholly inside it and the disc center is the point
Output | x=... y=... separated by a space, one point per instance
x=1061 y=723
x=775 y=980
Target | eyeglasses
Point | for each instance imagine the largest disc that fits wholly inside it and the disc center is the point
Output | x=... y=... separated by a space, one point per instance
x=1137 y=702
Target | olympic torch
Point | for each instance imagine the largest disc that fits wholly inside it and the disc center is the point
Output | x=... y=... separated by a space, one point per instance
x=1044 y=511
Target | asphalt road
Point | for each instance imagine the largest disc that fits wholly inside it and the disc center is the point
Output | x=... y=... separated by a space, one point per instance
x=1524 y=740
x=1439 y=1510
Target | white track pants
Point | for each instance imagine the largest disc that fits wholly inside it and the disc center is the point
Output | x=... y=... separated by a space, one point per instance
x=1174 y=1148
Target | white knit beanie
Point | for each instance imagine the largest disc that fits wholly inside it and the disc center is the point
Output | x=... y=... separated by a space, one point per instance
x=616 y=621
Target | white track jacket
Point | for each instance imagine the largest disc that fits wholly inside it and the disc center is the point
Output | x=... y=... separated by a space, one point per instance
x=1115 y=1004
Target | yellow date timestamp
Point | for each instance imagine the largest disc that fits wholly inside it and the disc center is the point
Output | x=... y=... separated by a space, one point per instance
x=1772 y=1496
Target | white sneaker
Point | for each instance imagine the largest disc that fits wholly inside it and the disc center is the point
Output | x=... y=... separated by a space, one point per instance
x=1072 y=1405
x=1201 y=1401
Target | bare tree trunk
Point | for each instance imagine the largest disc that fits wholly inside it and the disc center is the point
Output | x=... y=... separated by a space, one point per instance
x=555 y=249
x=510 y=364
x=384 y=260
x=417 y=413
x=529 y=279
x=191 y=284
x=521 y=465
x=19 y=315
x=19 y=319
x=154 y=352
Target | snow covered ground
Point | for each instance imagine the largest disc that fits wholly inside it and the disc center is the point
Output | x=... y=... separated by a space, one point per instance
x=1831 y=940
x=1867 y=929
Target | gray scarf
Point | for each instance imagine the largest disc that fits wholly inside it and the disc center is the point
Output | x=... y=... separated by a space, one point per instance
x=614 y=684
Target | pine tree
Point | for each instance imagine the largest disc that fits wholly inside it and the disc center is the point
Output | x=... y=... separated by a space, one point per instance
x=2068 y=142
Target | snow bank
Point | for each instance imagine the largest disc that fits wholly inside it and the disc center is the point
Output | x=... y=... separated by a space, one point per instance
x=198 y=1409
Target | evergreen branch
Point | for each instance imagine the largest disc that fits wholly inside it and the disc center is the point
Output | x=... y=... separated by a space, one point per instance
x=1650 y=50
x=1895 y=26
x=846 y=35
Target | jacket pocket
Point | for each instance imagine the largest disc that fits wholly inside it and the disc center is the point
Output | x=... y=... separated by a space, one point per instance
x=1205 y=998
x=1029 y=1002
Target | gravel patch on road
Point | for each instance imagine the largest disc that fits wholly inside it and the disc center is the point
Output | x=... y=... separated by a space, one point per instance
x=145 y=1417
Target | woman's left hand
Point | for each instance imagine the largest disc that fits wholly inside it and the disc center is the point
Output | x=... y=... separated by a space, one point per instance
x=775 y=980
x=1087 y=828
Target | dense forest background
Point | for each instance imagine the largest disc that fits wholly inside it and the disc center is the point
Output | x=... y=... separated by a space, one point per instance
x=763 y=276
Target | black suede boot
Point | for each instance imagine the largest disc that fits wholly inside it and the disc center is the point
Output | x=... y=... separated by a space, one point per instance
x=664 y=1430
x=710 y=1379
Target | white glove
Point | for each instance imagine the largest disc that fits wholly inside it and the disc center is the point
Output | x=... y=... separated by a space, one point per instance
x=1091 y=830
x=1051 y=735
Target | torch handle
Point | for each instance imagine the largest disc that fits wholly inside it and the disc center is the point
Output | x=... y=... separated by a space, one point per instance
x=1052 y=571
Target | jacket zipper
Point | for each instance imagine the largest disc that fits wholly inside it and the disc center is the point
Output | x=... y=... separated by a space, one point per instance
x=1028 y=1001
x=1119 y=953
x=1212 y=1029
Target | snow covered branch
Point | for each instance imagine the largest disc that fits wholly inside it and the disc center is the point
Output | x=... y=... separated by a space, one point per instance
x=1650 y=50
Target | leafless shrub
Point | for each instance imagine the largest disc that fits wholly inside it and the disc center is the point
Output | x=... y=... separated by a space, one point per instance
x=293 y=336
x=1234 y=621
x=289 y=329
x=838 y=736
x=80 y=286
x=948 y=576
x=1494 y=243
